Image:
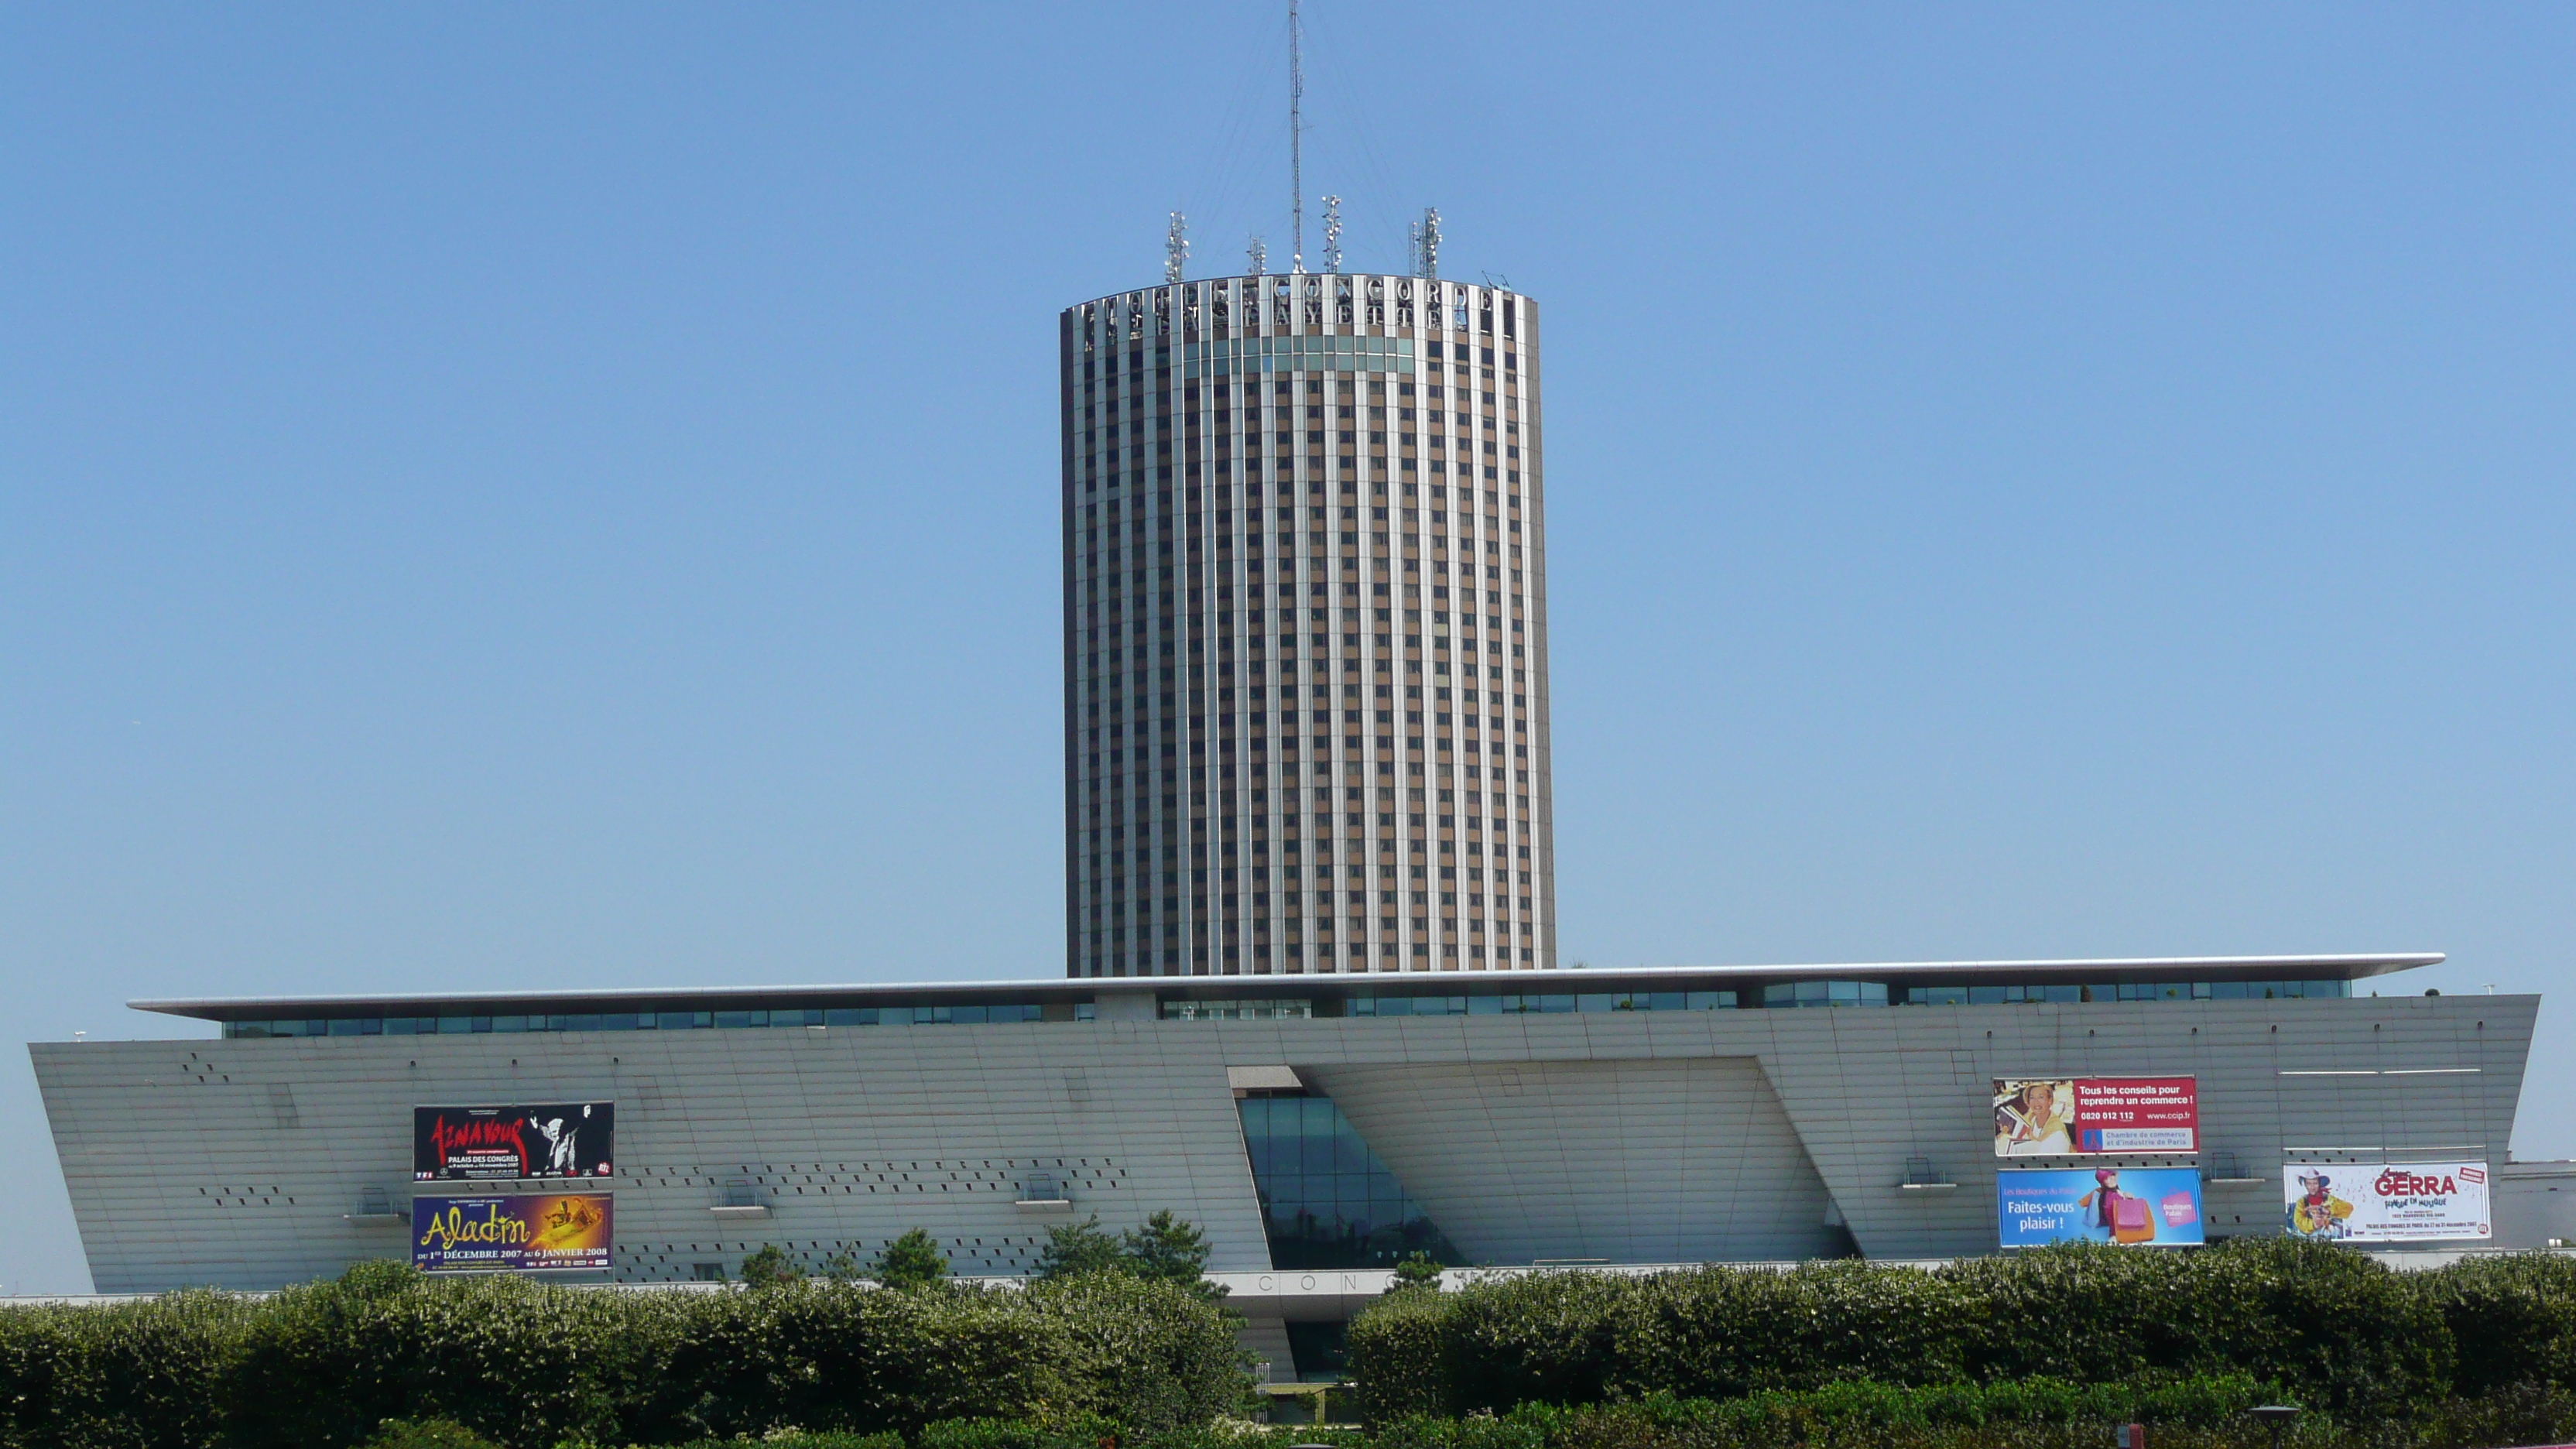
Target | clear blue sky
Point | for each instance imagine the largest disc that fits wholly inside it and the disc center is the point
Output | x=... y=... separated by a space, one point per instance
x=508 y=498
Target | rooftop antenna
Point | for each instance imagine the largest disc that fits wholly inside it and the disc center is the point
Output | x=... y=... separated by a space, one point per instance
x=1296 y=141
x=1176 y=248
x=1332 y=233
x=1430 y=258
x=1257 y=257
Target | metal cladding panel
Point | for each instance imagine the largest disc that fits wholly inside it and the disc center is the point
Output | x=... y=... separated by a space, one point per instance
x=1865 y=1089
x=181 y=1172
x=237 y=1161
x=1637 y=1161
x=1267 y=1339
x=2535 y=1203
x=1868 y=1089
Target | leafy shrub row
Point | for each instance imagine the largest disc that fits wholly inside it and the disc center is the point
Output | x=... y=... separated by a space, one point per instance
x=2189 y=1413
x=1995 y=1346
x=528 y=1365
x=2335 y=1329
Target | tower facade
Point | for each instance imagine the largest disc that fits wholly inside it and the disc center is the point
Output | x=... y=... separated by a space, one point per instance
x=1305 y=629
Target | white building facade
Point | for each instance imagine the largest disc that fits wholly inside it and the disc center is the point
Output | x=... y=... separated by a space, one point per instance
x=1313 y=1128
x=1305 y=630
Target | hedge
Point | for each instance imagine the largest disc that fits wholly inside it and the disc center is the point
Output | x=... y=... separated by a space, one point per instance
x=2478 y=1354
x=528 y=1365
x=2188 y=1413
x=2336 y=1329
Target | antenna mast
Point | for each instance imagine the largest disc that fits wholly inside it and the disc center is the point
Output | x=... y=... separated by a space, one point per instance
x=1176 y=248
x=1429 y=259
x=1332 y=233
x=1296 y=141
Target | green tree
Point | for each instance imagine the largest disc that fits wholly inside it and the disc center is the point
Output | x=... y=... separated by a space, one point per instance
x=1416 y=1271
x=770 y=1267
x=1169 y=1248
x=426 y=1434
x=1080 y=1248
x=910 y=1261
x=841 y=1267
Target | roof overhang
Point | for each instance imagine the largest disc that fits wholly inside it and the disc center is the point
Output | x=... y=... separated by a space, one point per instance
x=1066 y=989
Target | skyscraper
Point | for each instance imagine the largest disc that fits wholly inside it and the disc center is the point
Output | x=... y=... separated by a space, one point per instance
x=1305 y=613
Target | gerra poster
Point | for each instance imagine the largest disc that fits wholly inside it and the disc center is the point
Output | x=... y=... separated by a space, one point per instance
x=516 y=1233
x=2131 y=1207
x=496 y=1144
x=2082 y=1116
x=2410 y=1202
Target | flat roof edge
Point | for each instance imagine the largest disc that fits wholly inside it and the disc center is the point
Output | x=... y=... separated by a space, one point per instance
x=2132 y=968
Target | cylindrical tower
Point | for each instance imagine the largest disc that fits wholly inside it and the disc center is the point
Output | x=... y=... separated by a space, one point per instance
x=1305 y=630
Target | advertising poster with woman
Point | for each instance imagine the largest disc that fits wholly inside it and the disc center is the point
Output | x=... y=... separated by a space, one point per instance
x=2084 y=1116
x=2130 y=1207
x=2033 y=1118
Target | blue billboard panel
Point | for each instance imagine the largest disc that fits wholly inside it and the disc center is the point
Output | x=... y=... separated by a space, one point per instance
x=2135 y=1207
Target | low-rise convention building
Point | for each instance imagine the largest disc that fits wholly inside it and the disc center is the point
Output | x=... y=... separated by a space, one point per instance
x=1317 y=1128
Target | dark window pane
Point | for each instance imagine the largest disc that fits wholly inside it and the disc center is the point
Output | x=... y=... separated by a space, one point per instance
x=1317 y=1157
x=1328 y=1202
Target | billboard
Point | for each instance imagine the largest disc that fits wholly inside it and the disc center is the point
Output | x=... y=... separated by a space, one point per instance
x=2079 y=1116
x=494 y=1144
x=2135 y=1207
x=2409 y=1202
x=514 y=1233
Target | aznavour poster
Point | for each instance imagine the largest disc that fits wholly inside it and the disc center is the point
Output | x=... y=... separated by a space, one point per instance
x=494 y=1144
x=513 y=1233
x=2081 y=1116
x=2409 y=1202
x=2133 y=1207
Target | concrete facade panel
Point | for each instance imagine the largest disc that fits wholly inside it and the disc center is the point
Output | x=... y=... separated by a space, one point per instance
x=1625 y=1161
x=1633 y=1136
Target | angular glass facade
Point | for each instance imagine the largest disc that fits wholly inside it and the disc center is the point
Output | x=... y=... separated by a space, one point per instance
x=1825 y=993
x=976 y=1014
x=1326 y=1199
x=1516 y=1003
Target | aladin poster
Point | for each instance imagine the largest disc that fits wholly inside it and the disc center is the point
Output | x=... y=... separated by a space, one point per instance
x=515 y=1233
